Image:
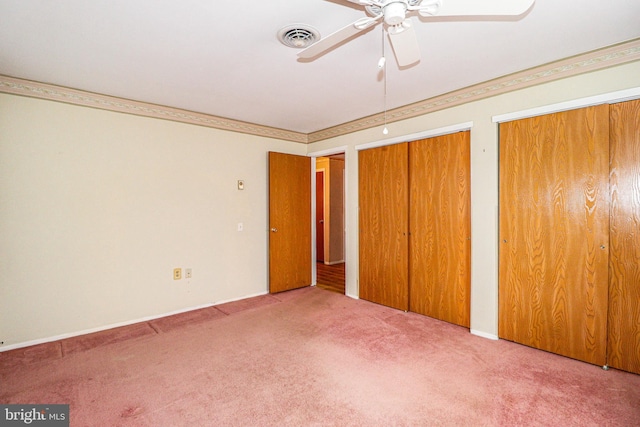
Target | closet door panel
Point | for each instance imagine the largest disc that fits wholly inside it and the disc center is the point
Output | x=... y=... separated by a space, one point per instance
x=624 y=261
x=440 y=227
x=554 y=232
x=383 y=225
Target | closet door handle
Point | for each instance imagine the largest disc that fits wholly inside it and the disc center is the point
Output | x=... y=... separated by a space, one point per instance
x=274 y=230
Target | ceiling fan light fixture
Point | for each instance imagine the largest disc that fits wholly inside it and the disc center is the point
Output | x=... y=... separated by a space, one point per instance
x=298 y=36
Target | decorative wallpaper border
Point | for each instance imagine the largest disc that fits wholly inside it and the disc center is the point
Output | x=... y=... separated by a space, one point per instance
x=591 y=61
x=104 y=102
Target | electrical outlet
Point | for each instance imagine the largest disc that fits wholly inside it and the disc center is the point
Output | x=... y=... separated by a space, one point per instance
x=177 y=273
x=240 y=226
x=187 y=273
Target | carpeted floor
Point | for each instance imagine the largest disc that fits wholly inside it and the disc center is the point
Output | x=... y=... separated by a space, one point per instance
x=310 y=357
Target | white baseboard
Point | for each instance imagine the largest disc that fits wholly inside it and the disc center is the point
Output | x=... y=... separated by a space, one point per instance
x=259 y=294
x=120 y=324
x=484 y=335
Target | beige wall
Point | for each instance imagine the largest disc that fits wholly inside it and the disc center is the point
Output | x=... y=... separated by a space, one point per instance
x=97 y=208
x=484 y=172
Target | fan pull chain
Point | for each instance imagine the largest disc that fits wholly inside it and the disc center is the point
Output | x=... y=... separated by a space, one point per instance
x=383 y=65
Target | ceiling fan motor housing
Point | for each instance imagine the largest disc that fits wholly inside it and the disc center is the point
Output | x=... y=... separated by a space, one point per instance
x=395 y=12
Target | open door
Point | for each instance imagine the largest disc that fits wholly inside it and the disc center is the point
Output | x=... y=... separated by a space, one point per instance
x=289 y=222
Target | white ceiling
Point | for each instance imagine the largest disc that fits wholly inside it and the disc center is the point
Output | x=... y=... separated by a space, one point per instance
x=223 y=57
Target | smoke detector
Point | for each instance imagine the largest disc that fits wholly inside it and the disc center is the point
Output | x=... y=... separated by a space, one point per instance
x=298 y=36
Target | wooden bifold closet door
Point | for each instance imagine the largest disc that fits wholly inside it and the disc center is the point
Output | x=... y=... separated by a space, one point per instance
x=624 y=265
x=440 y=224
x=384 y=225
x=414 y=240
x=554 y=232
x=570 y=234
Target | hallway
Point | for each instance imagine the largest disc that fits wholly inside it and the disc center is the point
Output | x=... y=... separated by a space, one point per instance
x=331 y=277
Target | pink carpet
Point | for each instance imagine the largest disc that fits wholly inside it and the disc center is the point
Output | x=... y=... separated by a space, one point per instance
x=191 y=318
x=313 y=358
x=103 y=338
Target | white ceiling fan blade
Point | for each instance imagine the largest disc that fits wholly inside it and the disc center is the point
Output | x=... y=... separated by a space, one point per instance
x=366 y=2
x=405 y=43
x=342 y=34
x=476 y=7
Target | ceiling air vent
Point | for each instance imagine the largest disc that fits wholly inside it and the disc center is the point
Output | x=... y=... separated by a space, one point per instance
x=298 y=36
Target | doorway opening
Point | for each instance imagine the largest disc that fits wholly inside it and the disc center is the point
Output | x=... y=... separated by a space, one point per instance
x=329 y=221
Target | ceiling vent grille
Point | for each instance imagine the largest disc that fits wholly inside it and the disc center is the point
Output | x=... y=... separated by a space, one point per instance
x=298 y=36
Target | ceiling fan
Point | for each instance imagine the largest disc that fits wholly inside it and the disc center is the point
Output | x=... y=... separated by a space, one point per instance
x=396 y=15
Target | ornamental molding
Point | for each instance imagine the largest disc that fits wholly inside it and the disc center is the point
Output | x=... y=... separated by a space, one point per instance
x=591 y=61
x=104 y=102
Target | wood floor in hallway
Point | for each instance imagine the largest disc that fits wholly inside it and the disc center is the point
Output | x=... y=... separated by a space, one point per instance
x=331 y=277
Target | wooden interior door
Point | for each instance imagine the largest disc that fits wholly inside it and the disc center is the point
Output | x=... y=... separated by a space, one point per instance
x=554 y=232
x=383 y=225
x=320 y=216
x=289 y=222
x=439 y=217
x=624 y=265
